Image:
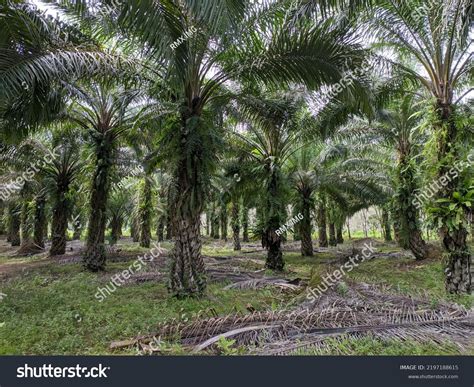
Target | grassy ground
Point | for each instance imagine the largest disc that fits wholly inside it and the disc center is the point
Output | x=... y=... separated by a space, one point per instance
x=51 y=309
x=409 y=277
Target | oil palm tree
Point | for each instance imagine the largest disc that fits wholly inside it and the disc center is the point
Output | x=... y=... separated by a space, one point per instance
x=239 y=183
x=38 y=55
x=436 y=38
x=220 y=51
x=27 y=162
x=272 y=138
x=104 y=112
x=60 y=174
x=14 y=223
x=398 y=129
x=119 y=206
x=146 y=195
x=331 y=175
x=302 y=177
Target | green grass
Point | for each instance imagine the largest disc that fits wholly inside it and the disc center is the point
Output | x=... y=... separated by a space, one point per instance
x=16 y=260
x=54 y=311
x=409 y=277
x=306 y=267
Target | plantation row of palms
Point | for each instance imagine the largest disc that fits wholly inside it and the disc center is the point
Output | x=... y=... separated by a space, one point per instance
x=318 y=108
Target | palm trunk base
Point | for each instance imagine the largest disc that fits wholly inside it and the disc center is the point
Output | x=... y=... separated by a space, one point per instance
x=94 y=258
x=188 y=274
x=418 y=246
x=306 y=241
x=58 y=245
x=458 y=272
x=245 y=225
x=458 y=262
x=160 y=231
x=145 y=238
x=275 y=255
x=29 y=247
x=339 y=236
x=15 y=238
x=306 y=247
x=237 y=246
x=322 y=237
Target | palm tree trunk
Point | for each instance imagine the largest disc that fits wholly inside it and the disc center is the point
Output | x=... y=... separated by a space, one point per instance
x=188 y=275
x=332 y=234
x=339 y=233
x=458 y=257
x=14 y=224
x=145 y=214
x=306 y=229
x=245 y=224
x=187 y=265
x=40 y=224
x=296 y=227
x=275 y=255
x=322 y=234
x=224 y=222
x=270 y=239
x=120 y=227
x=95 y=255
x=386 y=225
x=59 y=223
x=77 y=232
x=409 y=222
x=236 y=224
x=26 y=228
x=401 y=241
x=169 y=229
x=134 y=229
x=160 y=230
x=348 y=229
x=214 y=223
x=364 y=223
x=115 y=230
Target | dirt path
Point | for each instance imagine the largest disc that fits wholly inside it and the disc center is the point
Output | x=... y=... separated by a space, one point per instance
x=12 y=269
x=15 y=265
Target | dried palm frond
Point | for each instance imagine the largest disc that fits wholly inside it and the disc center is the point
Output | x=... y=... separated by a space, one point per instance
x=458 y=333
x=364 y=310
x=258 y=283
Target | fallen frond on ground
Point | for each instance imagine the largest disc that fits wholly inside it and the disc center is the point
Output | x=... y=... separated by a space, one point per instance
x=363 y=310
